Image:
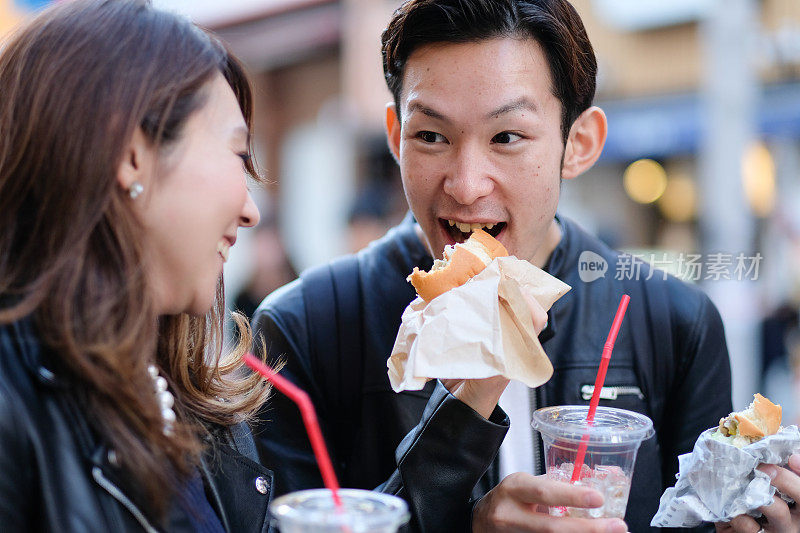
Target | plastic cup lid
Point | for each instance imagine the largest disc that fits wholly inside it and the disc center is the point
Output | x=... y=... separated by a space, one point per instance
x=364 y=509
x=610 y=426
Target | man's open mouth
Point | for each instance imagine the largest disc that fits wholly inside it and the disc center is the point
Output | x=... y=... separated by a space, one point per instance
x=460 y=231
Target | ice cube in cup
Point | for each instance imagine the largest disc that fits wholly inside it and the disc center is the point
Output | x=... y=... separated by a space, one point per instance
x=313 y=511
x=613 y=443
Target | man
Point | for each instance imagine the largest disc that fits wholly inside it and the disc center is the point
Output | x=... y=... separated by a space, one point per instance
x=492 y=109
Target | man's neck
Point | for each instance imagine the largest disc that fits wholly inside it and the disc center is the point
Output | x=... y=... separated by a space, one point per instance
x=540 y=258
x=551 y=240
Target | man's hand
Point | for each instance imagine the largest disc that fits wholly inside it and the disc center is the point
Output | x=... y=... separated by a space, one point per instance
x=520 y=503
x=483 y=394
x=780 y=518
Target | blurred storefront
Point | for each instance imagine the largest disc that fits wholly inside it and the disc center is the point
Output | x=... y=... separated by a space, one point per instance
x=706 y=92
x=702 y=157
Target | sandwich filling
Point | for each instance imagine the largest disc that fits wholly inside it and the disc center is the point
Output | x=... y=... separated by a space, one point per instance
x=460 y=262
x=761 y=418
x=472 y=245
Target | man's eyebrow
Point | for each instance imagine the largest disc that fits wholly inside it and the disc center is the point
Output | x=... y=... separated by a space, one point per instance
x=425 y=110
x=522 y=103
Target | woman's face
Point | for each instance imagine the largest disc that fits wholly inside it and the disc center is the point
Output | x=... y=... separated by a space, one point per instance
x=197 y=201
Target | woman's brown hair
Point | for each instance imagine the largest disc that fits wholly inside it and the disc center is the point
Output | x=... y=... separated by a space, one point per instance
x=76 y=83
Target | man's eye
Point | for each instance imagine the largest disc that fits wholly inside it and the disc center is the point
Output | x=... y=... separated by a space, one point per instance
x=431 y=137
x=505 y=137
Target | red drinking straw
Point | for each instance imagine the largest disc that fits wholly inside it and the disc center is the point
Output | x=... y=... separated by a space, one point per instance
x=608 y=347
x=303 y=402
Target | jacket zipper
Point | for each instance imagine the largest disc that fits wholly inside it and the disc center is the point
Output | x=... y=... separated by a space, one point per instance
x=611 y=393
x=537 y=451
x=115 y=492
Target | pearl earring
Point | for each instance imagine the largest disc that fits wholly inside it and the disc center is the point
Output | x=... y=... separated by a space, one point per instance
x=135 y=190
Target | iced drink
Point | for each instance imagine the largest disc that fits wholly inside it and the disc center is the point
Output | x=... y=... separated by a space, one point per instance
x=313 y=511
x=613 y=440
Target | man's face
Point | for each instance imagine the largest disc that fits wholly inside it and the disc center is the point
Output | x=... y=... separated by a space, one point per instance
x=480 y=142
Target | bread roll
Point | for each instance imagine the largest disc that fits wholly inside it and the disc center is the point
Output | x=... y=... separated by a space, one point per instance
x=761 y=418
x=462 y=261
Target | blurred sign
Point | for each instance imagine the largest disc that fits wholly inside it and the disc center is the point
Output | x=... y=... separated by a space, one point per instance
x=214 y=12
x=633 y=15
x=31 y=5
x=12 y=11
x=664 y=126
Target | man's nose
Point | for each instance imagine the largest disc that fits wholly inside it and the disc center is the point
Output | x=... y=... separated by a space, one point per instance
x=469 y=177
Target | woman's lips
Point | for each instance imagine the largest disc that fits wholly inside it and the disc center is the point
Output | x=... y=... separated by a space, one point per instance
x=223 y=249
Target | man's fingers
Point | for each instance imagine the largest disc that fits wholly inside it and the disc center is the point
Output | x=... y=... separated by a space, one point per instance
x=743 y=524
x=515 y=516
x=538 y=314
x=794 y=463
x=521 y=521
x=778 y=515
x=530 y=489
x=784 y=480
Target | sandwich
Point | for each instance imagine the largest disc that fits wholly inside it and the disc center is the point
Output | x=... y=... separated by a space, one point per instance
x=461 y=262
x=760 y=419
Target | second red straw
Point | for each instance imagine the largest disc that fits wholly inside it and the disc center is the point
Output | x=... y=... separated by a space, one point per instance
x=303 y=402
x=608 y=347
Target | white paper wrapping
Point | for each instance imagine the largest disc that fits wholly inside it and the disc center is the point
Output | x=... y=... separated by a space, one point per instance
x=718 y=481
x=480 y=329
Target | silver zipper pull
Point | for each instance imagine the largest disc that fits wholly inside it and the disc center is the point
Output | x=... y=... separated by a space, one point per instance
x=611 y=392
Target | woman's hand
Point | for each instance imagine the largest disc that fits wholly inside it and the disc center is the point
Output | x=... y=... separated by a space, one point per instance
x=780 y=518
x=483 y=394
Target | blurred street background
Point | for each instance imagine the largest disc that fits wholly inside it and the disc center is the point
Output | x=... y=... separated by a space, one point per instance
x=699 y=175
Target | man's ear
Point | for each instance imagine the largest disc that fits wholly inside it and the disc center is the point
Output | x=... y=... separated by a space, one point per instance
x=587 y=136
x=138 y=162
x=393 y=130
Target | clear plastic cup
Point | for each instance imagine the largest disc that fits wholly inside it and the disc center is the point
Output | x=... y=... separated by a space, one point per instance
x=312 y=511
x=614 y=440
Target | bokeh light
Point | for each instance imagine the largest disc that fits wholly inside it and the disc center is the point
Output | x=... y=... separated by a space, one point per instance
x=758 y=179
x=679 y=201
x=645 y=181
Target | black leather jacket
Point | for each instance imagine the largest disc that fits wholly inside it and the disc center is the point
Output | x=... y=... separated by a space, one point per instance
x=54 y=475
x=670 y=362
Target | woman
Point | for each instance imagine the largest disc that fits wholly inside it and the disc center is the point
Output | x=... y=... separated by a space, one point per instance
x=124 y=154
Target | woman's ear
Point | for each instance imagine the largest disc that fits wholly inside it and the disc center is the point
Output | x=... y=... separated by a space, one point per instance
x=393 y=130
x=587 y=136
x=138 y=162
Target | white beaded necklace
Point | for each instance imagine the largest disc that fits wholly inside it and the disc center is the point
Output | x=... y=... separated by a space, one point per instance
x=165 y=400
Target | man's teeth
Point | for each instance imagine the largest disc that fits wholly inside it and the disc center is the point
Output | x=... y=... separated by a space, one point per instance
x=224 y=249
x=469 y=228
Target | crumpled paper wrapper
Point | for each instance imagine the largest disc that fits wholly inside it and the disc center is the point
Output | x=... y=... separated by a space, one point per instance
x=480 y=329
x=718 y=481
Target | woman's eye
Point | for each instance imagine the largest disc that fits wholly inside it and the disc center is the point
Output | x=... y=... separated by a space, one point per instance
x=431 y=137
x=505 y=137
x=244 y=156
